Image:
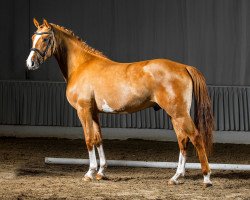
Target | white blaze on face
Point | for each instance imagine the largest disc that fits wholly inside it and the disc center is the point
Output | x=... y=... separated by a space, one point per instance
x=105 y=107
x=29 y=59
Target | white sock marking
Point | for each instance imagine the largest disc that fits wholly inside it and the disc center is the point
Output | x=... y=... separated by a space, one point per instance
x=92 y=164
x=207 y=178
x=103 y=162
x=181 y=167
x=181 y=164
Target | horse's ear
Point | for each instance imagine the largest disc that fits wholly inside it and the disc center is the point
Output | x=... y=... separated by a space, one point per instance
x=36 y=23
x=46 y=23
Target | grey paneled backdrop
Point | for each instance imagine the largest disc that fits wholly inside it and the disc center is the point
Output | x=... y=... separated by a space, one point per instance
x=44 y=104
x=212 y=35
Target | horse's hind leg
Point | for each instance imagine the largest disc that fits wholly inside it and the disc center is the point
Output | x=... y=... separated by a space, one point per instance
x=183 y=143
x=185 y=125
x=178 y=107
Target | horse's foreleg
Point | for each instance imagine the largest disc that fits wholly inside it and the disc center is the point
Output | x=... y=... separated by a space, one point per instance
x=98 y=140
x=183 y=143
x=103 y=164
x=85 y=116
x=92 y=165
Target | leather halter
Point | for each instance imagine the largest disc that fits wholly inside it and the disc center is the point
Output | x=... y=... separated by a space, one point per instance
x=49 y=43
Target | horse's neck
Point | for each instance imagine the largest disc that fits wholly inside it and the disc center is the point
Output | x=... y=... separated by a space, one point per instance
x=69 y=54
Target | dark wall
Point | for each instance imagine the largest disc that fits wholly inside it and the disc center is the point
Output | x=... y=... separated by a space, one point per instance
x=212 y=35
x=14 y=38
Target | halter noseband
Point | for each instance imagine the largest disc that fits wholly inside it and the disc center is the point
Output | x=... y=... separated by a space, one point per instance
x=43 y=54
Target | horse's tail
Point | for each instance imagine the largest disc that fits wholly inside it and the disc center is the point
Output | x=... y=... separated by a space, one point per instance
x=203 y=112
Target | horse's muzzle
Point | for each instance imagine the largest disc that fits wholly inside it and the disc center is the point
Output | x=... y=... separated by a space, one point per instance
x=32 y=62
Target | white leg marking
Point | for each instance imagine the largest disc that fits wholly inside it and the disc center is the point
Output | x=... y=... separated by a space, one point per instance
x=92 y=164
x=105 y=107
x=103 y=162
x=207 y=178
x=180 y=169
x=181 y=164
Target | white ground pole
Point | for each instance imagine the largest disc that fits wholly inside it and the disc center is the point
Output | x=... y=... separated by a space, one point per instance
x=236 y=137
x=128 y=163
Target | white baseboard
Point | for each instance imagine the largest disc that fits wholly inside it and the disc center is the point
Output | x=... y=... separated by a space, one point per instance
x=236 y=137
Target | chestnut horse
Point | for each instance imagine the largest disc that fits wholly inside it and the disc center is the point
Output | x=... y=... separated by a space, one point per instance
x=97 y=84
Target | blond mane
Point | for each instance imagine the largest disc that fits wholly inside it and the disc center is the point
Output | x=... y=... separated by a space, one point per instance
x=86 y=47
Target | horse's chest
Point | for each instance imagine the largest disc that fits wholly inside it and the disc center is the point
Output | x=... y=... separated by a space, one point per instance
x=76 y=94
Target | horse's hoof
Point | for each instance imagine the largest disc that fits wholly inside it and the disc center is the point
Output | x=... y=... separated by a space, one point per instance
x=101 y=177
x=87 y=179
x=205 y=185
x=173 y=182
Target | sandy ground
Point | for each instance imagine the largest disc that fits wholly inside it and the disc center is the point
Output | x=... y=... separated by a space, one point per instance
x=23 y=174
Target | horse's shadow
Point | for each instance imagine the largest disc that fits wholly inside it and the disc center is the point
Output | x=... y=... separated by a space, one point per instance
x=244 y=175
x=34 y=169
x=233 y=175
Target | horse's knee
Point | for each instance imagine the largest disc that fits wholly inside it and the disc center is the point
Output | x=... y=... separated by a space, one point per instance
x=183 y=141
x=97 y=139
x=90 y=142
x=97 y=133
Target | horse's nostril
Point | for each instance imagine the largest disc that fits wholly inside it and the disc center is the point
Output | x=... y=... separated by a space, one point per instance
x=32 y=63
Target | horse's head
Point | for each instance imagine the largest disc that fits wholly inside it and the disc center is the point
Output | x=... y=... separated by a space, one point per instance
x=43 y=45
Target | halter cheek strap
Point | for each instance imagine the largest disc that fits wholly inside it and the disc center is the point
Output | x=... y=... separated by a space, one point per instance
x=43 y=54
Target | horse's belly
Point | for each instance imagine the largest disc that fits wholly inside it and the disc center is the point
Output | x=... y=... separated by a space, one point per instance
x=115 y=105
x=122 y=96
